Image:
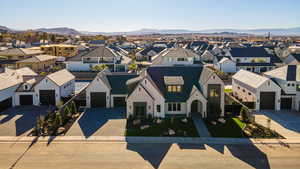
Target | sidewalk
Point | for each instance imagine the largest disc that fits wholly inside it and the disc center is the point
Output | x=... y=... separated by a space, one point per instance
x=187 y=140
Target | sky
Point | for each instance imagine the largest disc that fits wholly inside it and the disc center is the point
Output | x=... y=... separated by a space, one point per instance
x=129 y=15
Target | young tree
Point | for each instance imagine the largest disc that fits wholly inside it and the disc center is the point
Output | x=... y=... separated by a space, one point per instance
x=133 y=67
x=100 y=67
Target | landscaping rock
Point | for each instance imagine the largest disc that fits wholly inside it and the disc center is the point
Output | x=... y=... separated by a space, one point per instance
x=184 y=120
x=171 y=132
x=144 y=127
x=213 y=123
x=221 y=120
x=136 y=122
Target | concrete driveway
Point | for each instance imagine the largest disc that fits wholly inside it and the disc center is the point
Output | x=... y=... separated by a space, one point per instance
x=286 y=123
x=100 y=122
x=18 y=121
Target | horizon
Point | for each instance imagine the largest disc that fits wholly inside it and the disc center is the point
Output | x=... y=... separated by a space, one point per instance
x=132 y=15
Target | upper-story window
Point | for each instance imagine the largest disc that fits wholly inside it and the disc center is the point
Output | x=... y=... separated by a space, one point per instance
x=174 y=89
x=298 y=87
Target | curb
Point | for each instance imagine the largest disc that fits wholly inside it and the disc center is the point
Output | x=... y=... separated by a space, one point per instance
x=187 y=140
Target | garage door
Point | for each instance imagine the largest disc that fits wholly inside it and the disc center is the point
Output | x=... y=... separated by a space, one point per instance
x=286 y=103
x=98 y=99
x=5 y=104
x=25 y=99
x=47 y=97
x=267 y=100
x=119 y=102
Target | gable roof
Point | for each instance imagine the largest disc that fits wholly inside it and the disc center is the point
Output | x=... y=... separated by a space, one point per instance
x=117 y=82
x=101 y=51
x=38 y=58
x=19 y=52
x=288 y=73
x=157 y=74
x=11 y=77
x=61 y=77
x=252 y=79
x=249 y=52
x=152 y=48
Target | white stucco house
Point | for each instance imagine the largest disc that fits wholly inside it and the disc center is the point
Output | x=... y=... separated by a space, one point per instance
x=288 y=78
x=253 y=88
x=10 y=80
x=108 y=89
x=168 y=90
x=226 y=65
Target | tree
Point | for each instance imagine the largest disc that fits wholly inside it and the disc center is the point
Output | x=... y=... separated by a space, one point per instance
x=133 y=67
x=100 y=67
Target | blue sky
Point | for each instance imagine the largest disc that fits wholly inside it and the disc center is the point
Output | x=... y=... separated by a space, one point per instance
x=127 y=15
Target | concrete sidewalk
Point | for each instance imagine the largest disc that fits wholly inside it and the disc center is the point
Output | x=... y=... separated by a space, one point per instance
x=187 y=140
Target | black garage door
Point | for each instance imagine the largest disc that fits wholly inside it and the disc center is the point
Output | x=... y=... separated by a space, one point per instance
x=286 y=103
x=25 y=99
x=267 y=100
x=98 y=99
x=47 y=97
x=119 y=102
x=5 y=104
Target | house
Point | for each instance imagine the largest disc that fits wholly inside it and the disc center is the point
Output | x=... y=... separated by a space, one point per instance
x=250 y=87
x=48 y=90
x=165 y=90
x=147 y=53
x=37 y=63
x=108 y=89
x=254 y=59
x=9 y=81
x=60 y=50
x=173 y=56
x=288 y=79
x=292 y=58
x=115 y=60
x=226 y=65
x=19 y=53
x=97 y=43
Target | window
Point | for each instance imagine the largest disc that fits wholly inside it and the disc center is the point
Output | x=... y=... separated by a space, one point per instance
x=239 y=87
x=244 y=90
x=178 y=107
x=298 y=88
x=213 y=93
x=293 y=84
x=174 y=106
x=249 y=94
x=288 y=84
x=158 y=108
x=174 y=88
x=170 y=107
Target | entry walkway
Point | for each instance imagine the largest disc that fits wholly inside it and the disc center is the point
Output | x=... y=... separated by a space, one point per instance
x=200 y=126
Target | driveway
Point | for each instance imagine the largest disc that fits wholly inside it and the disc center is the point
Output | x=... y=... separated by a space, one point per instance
x=18 y=121
x=100 y=122
x=286 y=123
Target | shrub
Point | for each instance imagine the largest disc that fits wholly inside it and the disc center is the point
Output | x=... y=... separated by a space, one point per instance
x=244 y=113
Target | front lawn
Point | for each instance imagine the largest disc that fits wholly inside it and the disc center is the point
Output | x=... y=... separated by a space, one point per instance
x=235 y=128
x=169 y=127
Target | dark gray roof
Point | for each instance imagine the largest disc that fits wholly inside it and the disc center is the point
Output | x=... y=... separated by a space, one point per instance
x=296 y=56
x=117 y=82
x=190 y=74
x=249 y=52
x=148 y=49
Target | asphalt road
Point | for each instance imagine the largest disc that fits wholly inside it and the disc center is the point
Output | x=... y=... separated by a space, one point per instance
x=115 y=155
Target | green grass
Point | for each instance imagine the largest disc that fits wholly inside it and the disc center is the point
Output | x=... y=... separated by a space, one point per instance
x=231 y=128
x=161 y=130
x=228 y=90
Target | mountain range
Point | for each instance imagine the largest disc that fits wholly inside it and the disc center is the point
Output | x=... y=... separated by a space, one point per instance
x=71 y=31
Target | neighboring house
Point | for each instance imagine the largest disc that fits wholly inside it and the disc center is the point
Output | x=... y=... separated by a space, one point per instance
x=292 y=58
x=250 y=87
x=97 y=43
x=163 y=91
x=60 y=50
x=37 y=63
x=207 y=56
x=254 y=59
x=9 y=82
x=173 y=56
x=101 y=55
x=108 y=89
x=226 y=65
x=19 y=53
x=288 y=78
x=48 y=90
x=147 y=53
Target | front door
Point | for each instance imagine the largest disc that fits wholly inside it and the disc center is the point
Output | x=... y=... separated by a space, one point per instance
x=140 y=109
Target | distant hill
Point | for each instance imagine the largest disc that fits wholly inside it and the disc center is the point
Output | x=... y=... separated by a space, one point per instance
x=60 y=30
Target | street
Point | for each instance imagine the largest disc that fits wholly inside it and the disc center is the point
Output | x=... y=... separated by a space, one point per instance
x=87 y=155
